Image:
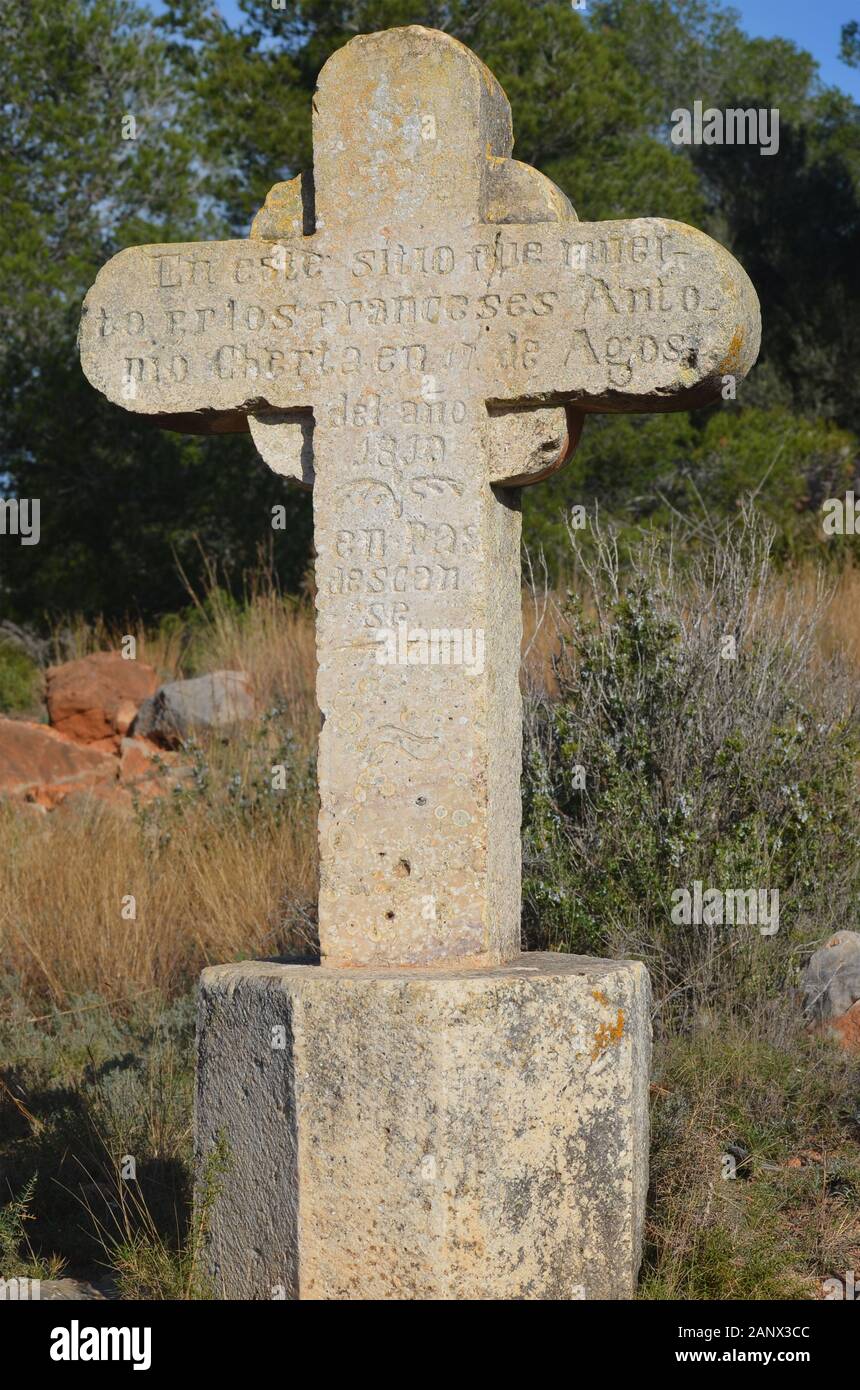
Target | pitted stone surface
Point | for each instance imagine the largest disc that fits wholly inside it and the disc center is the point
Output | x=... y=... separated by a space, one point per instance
x=414 y=332
x=426 y=1134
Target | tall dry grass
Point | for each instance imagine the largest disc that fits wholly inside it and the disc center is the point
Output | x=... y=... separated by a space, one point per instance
x=211 y=892
x=839 y=628
x=209 y=883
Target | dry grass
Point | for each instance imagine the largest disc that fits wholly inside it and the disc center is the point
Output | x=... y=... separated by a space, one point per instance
x=778 y=1104
x=839 y=629
x=208 y=885
x=210 y=893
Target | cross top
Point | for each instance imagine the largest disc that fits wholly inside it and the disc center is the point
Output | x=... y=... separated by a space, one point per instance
x=415 y=332
x=408 y=127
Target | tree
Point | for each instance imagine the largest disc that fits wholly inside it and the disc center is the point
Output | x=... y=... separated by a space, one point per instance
x=849 y=50
x=99 y=151
x=120 y=128
x=582 y=116
x=793 y=220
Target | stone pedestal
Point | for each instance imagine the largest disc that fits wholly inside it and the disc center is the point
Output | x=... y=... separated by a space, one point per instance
x=420 y=1134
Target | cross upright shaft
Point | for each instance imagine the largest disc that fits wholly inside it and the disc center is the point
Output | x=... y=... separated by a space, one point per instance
x=405 y=334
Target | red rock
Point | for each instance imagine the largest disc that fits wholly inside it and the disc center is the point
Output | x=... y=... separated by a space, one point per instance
x=138 y=759
x=101 y=794
x=42 y=765
x=98 y=696
x=101 y=745
x=126 y=712
x=847 y=1028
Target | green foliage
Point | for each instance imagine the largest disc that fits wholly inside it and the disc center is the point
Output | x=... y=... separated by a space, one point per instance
x=192 y=626
x=17 y=1260
x=71 y=188
x=849 y=49
x=147 y=1263
x=80 y=1090
x=121 y=501
x=791 y=219
x=19 y=680
x=653 y=470
x=738 y=773
x=582 y=116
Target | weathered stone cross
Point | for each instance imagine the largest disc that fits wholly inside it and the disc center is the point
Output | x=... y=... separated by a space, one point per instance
x=415 y=332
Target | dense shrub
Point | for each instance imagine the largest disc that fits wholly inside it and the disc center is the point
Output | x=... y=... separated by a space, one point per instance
x=736 y=773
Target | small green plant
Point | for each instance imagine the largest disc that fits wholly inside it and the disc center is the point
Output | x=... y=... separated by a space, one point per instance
x=19 y=680
x=17 y=1259
x=146 y=1263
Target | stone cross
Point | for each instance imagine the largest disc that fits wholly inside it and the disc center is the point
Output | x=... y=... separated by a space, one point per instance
x=416 y=332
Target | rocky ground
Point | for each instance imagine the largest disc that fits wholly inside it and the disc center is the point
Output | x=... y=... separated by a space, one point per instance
x=114 y=733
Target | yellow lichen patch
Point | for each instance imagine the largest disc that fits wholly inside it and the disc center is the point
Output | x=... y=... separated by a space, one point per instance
x=732 y=357
x=281 y=214
x=607 y=1034
x=600 y=997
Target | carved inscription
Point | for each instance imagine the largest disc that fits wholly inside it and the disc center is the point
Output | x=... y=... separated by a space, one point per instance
x=401 y=549
x=620 y=310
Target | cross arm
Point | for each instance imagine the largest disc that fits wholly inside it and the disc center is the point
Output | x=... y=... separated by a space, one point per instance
x=197 y=337
x=173 y=331
x=644 y=314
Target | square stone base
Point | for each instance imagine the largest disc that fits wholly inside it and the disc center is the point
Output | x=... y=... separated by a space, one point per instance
x=420 y=1134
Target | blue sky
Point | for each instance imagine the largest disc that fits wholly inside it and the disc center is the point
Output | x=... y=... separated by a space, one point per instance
x=812 y=24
